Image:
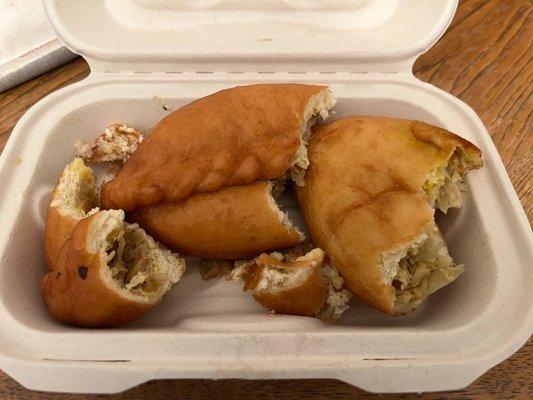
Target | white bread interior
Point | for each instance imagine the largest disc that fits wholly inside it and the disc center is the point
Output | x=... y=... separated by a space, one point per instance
x=418 y=269
x=274 y=278
x=319 y=107
x=275 y=190
x=136 y=267
x=75 y=194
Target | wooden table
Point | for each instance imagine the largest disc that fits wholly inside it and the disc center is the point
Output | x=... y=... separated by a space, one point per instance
x=485 y=59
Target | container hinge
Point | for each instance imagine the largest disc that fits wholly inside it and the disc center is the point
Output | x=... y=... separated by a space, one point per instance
x=250 y=73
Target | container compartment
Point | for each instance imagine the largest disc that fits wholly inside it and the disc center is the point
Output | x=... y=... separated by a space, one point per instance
x=259 y=35
x=467 y=326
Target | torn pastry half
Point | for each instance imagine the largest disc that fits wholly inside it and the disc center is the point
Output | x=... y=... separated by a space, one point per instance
x=109 y=272
x=232 y=223
x=233 y=137
x=72 y=199
x=369 y=198
x=303 y=285
x=115 y=144
x=102 y=271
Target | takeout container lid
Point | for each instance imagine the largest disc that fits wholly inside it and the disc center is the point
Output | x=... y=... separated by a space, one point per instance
x=141 y=50
x=250 y=36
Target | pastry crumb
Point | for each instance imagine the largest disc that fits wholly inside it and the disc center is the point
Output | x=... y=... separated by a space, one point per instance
x=159 y=101
x=116 y=143
x=210 y=269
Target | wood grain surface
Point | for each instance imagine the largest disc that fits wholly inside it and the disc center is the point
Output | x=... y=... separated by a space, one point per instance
x=485 y=59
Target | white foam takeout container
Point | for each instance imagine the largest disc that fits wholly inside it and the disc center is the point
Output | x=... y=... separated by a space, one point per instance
x=148 y=56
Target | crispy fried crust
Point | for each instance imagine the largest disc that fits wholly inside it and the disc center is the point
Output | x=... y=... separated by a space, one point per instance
x=306 y=298
x=59 y=222
x=74 y=291
x=232 y=137
x=57 y=231
x=231 y=223
x=363 y=197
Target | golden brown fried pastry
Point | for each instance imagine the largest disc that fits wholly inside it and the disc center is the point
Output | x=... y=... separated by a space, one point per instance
x=368 y=200
x=108 y=272
x=304 y=286
x=233 y=137
x=288 y=288
x=231 y=223
x=73 y=197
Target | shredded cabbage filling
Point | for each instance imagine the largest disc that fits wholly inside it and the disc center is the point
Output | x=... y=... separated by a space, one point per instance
x=423 y=270
x=338 y=296
x=132 y=263
x=443 y=184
